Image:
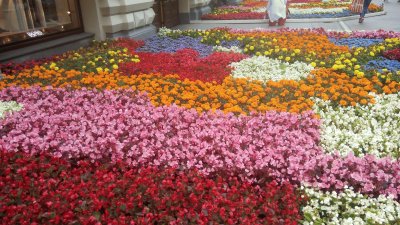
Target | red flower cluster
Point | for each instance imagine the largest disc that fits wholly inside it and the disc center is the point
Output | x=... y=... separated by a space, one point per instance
x=392 y=54
x=48 y=190
x=15 y=67
x=128 y=43
x=234 y=16
x=186 y=63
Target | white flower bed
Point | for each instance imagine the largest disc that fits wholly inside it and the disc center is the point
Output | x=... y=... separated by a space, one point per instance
x=260 y=9
x=316 y=10
x=264 y=69
x=6 y=107
x=225 y=49
x=349 y=208
x=372 y=129
x=164 y=32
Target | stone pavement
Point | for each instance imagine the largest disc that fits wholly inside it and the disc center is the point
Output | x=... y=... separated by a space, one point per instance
x=389 y=20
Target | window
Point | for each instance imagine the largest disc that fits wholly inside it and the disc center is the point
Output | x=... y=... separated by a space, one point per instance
x=24 y=20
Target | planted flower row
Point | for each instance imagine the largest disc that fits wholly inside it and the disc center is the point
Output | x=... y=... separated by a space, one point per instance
x=257 y=10
x=43 y=189
x=343 y=53
x=240 y=96
x=112 y=126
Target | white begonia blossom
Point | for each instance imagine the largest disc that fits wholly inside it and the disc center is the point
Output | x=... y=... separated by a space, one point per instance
x=8 y=107
x=264 y=69
x=369 y=129
x=316 y=10
x=260 y=9
x=235 y=49
x=348 y=207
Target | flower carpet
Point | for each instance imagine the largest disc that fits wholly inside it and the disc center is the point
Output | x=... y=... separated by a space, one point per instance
x=256 y=9
x=217 y=126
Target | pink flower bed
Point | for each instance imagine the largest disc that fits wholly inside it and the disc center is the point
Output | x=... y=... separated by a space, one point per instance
x=365 y=34
x=120 y=125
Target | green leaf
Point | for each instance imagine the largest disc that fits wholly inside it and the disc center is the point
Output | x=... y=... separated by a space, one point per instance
x=123 y=207
x=97 y=215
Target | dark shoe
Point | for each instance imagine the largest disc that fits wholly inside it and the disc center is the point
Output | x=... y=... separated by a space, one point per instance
x=361 y=20
x=281 y=22
x=271 y=24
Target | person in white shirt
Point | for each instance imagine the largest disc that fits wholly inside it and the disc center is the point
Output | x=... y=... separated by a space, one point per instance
x=277 y=12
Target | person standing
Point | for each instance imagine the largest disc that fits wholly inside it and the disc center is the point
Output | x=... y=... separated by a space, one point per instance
x=364 y=10
x=277 y=12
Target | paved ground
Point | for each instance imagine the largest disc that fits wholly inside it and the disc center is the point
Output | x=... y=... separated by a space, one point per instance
x=389 y=21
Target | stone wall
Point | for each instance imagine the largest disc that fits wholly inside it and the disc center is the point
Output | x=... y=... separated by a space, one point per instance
x=113 y=18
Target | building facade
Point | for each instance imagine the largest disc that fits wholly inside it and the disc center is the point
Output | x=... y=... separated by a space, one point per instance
x=36 y=28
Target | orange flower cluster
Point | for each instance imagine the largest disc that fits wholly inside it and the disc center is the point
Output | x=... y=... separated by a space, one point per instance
x=312 y=44
x=374 y=8
x=240 y=96
x=329 y=85
x=254 y=3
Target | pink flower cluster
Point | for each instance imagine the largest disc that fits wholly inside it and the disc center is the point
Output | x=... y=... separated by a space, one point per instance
x=120 y=125
x=110 y=126
x=364 y=34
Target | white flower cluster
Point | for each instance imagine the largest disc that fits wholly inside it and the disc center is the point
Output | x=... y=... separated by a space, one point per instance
x=164 y=32
x=264 y=69
x=8 y=107
x=260 y=9
x=372 y=129
x=317 y=10
x=348 y=208
x=336 y=3
x=235 y=49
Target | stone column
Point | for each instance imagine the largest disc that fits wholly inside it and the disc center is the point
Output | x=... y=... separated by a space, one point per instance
x=199 y=8
x=91 y=17
x=184 y=11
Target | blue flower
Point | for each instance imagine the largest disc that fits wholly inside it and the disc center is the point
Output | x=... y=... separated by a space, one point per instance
x=356 y=42
x=171 y=45
x=383 y=63
x=229 y=44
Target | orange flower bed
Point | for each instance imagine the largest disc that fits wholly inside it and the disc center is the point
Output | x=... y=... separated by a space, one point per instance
x=254 y=3
x=329 y=85
x=301 y=44
x=239 y=96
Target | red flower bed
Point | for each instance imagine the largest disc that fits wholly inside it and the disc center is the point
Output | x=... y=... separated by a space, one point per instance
x=186 y=63
x=234 y=16
x=128 y=43
x=392 y=54
x=48 y=190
